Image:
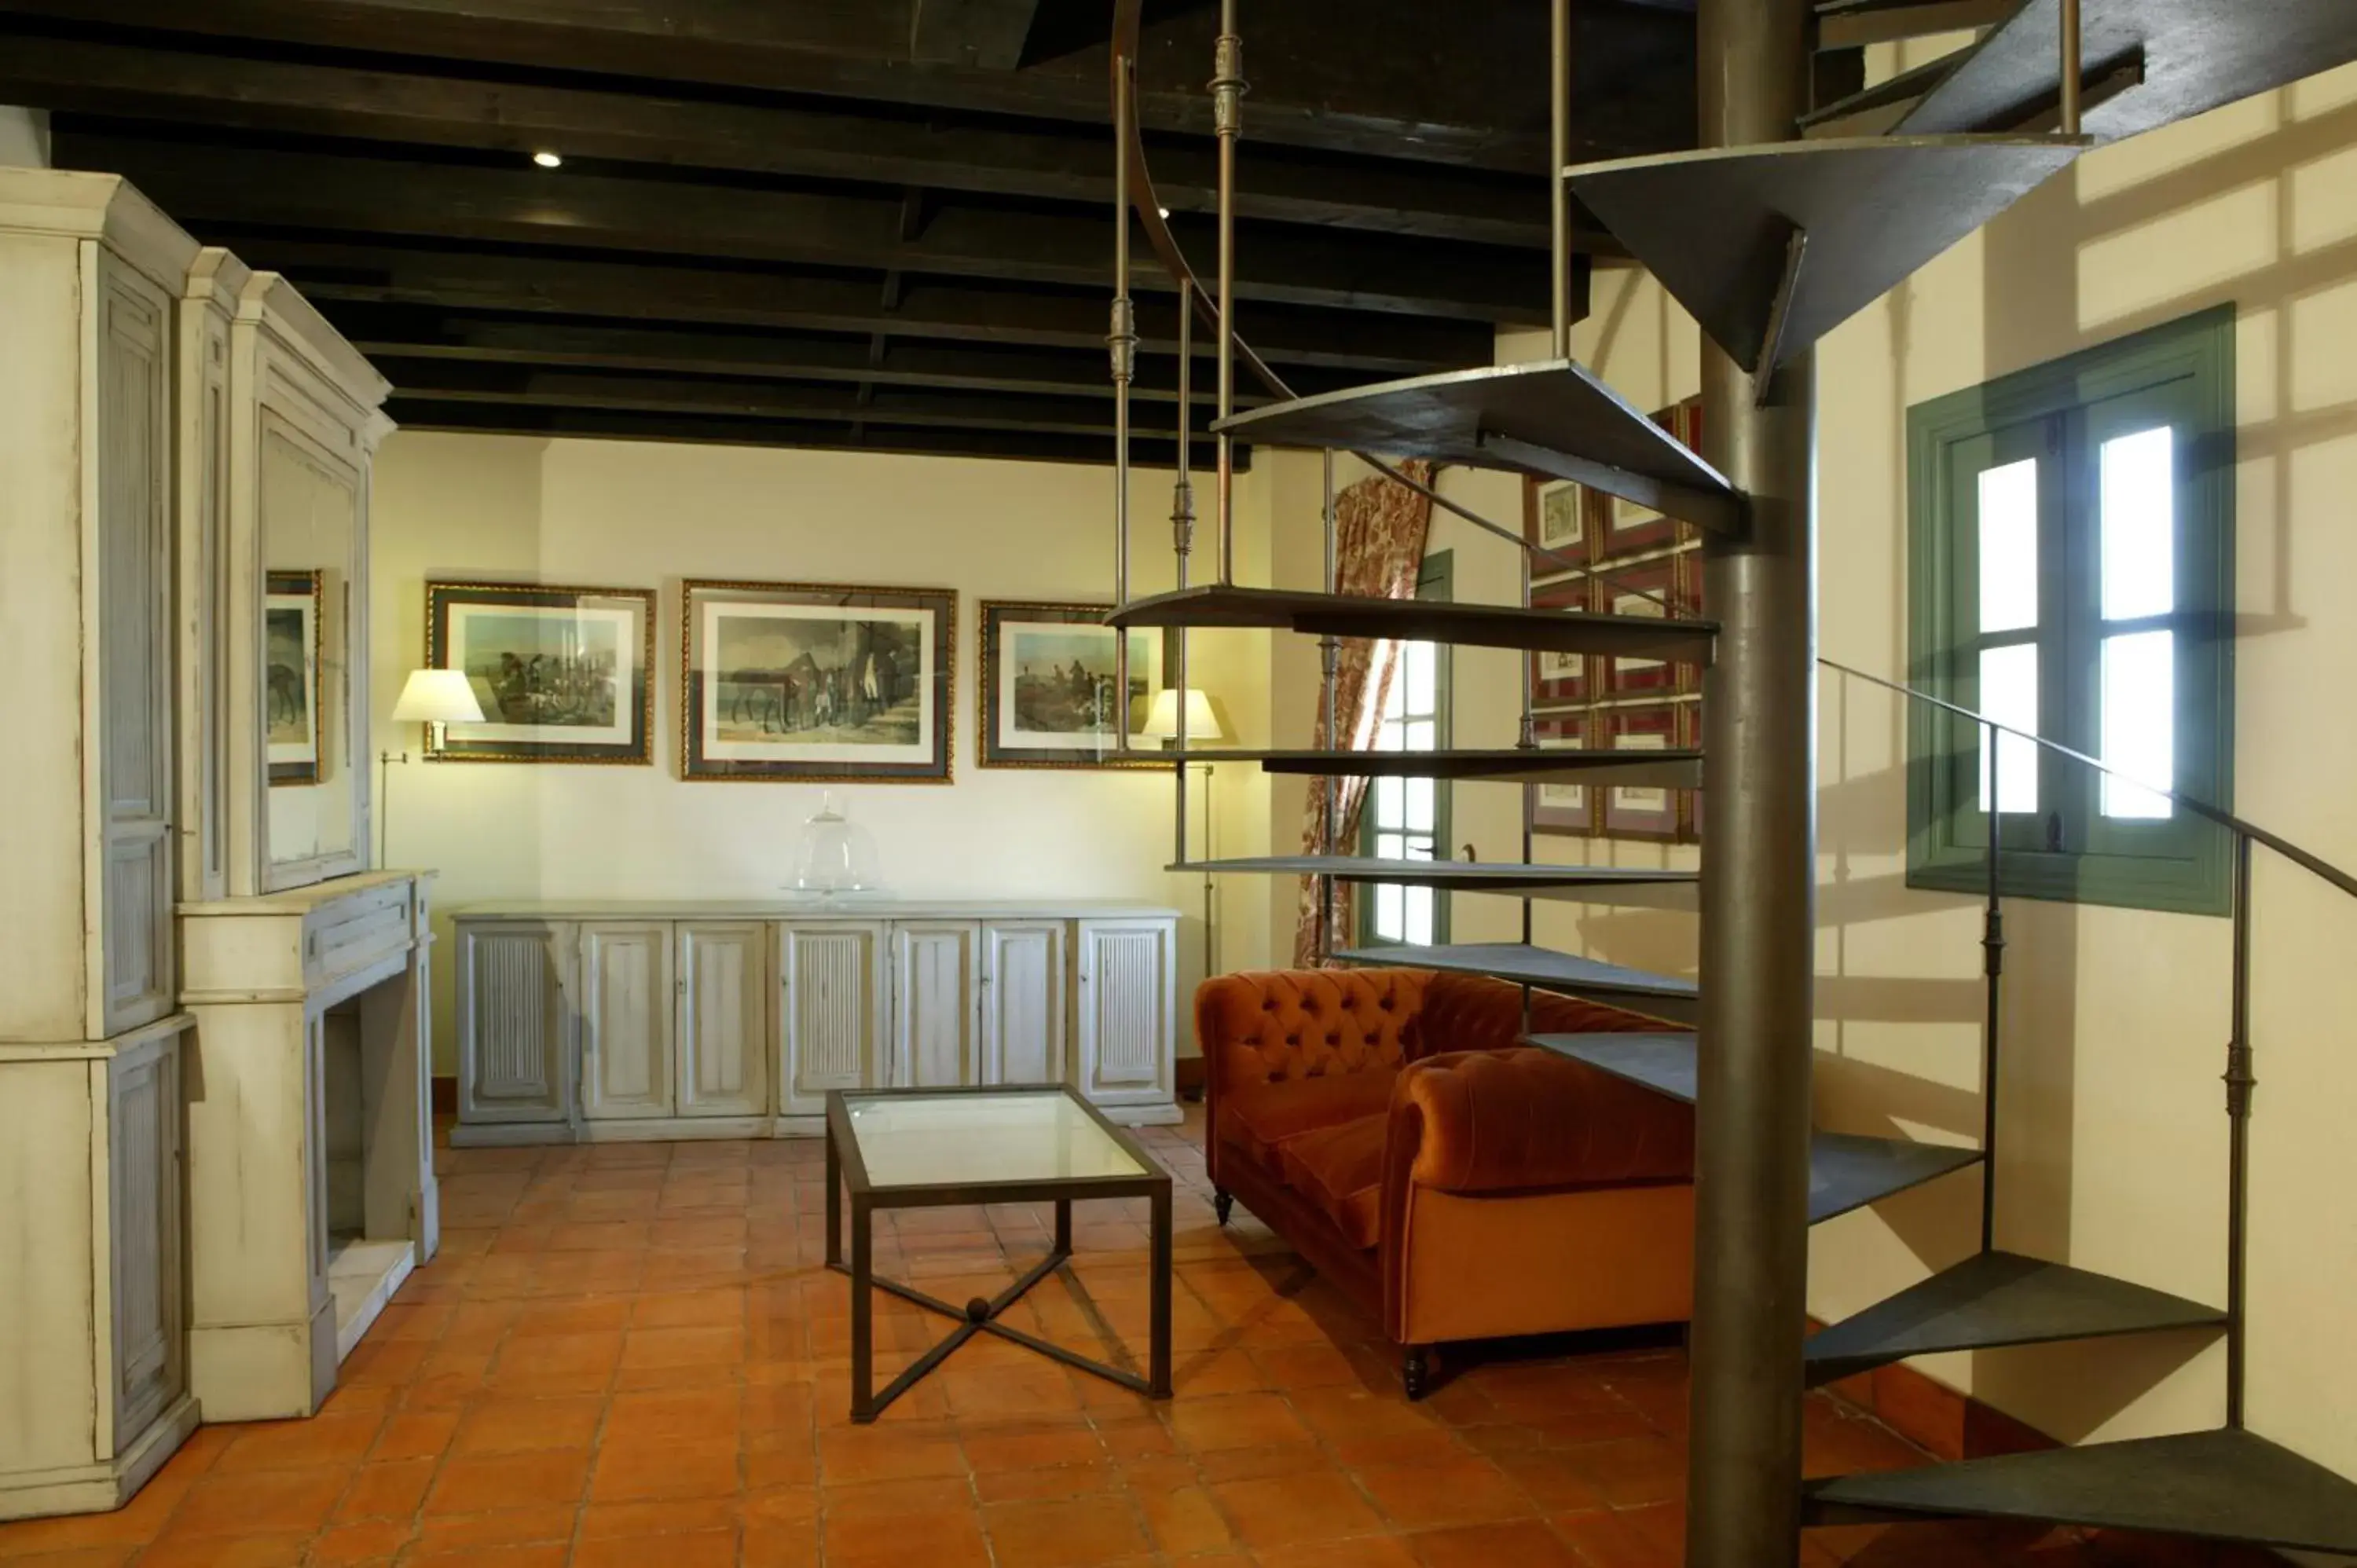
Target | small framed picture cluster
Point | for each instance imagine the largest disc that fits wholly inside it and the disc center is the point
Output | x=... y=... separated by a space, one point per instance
x=1600 y=553
x=805 y=682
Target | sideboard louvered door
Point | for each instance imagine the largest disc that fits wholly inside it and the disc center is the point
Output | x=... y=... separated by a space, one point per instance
x=512 y=1008
x=130 y=711
x=832 y=976
x=1127 y=981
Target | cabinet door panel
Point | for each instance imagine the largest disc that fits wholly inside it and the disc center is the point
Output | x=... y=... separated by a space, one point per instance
x=724 y=1019
x=934 y=1017
x=134 y=738
x=143 y=1225
x=626 y=1021
x=832 y=977
x=1127 y=1009
x=513 y=1030
x=1023 y=1002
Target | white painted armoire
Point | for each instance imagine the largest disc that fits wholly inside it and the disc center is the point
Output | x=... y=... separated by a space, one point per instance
x=183 y=454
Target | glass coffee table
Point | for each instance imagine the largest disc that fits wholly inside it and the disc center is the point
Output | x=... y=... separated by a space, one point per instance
x=917 y=1148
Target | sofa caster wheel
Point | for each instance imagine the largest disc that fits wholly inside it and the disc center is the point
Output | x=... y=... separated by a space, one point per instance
x=1415 y=1372
x=1223 y=1204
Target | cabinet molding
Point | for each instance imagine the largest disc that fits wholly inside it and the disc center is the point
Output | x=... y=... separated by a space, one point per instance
x=774 y=1004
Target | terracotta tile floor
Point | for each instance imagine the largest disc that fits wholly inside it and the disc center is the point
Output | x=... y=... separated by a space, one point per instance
x=629 y=1354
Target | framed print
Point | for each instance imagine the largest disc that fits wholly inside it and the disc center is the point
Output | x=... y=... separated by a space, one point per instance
x=1623 y=527
x=1048 y=678
x=1560 y=678
x=1641 y=813
x=1565 y=809
x=815 y=680
x=1556 y=516
x=563 y=674
x=1654 y=587
x=290 y=639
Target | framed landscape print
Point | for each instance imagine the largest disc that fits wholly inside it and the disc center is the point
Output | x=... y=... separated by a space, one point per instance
x=1049 y=686
x=290 y=635
x=563 y=674
x=1566 y=808
x=1560 y=678
x=1555 y=518
x=813 y=681
x=1640 y=812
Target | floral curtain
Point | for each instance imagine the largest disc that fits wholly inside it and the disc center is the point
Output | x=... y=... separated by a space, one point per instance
x=1379 y=537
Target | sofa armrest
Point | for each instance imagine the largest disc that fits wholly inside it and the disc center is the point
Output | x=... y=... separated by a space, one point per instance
x=1505 y=1120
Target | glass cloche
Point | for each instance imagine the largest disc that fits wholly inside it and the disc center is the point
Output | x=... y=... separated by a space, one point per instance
x=838 y=855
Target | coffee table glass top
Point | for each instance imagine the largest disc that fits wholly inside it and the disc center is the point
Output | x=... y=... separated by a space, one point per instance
x=933 y=1140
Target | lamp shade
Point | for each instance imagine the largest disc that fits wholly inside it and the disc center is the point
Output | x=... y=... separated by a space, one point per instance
x=1202 y=719
x=438 y=697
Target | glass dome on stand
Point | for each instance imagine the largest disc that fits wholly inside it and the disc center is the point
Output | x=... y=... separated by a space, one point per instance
x=837 y=855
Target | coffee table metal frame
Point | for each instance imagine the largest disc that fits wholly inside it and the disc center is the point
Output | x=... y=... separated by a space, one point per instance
x=846 y=1169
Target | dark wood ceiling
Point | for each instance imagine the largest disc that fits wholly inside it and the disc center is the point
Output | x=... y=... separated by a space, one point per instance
x=873 y=223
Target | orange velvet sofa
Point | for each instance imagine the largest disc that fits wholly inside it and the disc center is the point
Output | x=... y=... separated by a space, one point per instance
x=1388 y=1123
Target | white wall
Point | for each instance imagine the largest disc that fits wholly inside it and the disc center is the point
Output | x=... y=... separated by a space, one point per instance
x=2112 y=1137
x=645 y=515
x=24 y=137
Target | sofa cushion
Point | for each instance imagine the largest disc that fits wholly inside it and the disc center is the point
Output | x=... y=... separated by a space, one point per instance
x=1260 y=1118
x=1528 y=1118
x=1341 y=1170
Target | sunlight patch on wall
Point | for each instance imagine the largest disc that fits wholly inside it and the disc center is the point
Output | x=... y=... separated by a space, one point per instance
x=2323 y=370
x=2178 y=256
x=2171 y=149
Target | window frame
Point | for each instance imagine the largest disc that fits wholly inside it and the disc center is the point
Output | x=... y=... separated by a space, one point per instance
x=1436 y=580
x=2184 y=369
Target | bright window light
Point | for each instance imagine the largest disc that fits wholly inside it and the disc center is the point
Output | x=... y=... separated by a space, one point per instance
x=2008 y=546
x=2009 y=695
x=2139 y=722
x=2139 y=523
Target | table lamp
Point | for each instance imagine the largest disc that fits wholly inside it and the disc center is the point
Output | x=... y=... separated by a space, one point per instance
x=1203 y=724
x=429 y=697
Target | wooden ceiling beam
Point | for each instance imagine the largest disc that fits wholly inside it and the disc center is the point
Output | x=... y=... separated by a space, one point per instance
x=1277 y=263
x=1443 y=84
x=625 y=425
x=380 y=331
x=988 y=34
x=1367 y=346
x=1070 y=163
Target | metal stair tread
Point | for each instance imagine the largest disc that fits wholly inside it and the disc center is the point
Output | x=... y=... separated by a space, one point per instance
x=1669 y=770
x=2198 y=55
x=1661 y=994
x=1994 y=1299
x=1847 y=1170
x=1555 y=406
x=1423 y=620
x=1454 y=876
x=2228 y=1485
x=1713 y=225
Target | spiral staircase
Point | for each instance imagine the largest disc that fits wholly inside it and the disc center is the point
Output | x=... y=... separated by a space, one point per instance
x=1770 y=247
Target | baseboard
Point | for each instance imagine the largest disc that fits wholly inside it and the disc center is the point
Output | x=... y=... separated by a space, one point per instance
x=445 y=1097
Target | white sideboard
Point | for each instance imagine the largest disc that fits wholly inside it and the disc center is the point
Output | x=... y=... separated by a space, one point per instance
x=607 y=1020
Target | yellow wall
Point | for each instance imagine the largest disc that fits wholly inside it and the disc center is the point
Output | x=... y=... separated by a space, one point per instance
x=2113 y=1140
x=645 y=515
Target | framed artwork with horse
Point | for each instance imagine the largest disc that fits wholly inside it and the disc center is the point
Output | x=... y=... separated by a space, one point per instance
x=829 y=682
x=562 y=674
x=1049 y=687
x=292 y=602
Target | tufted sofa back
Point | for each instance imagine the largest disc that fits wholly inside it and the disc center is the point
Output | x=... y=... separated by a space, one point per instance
x=1280 y=1025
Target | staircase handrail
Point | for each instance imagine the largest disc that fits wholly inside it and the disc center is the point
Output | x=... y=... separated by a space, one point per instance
x=2303 y=858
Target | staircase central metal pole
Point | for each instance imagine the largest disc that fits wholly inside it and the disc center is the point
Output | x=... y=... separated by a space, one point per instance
x=1559 y=151
x=1758 y=891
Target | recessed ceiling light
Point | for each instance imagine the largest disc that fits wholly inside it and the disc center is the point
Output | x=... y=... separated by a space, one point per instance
x=548 y=160
x=1164 y=210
